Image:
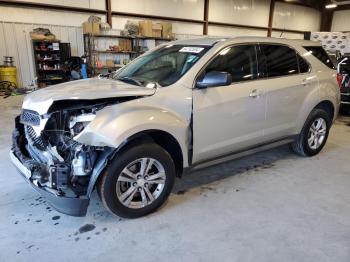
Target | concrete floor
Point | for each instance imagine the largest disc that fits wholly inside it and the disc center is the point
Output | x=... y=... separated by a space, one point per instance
x=272 y=206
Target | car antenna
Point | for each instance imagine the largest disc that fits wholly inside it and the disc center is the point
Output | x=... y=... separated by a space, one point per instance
x=282 y=32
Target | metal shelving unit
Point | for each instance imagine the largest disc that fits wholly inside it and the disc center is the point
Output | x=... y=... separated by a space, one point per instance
x=137 y=44
x=48 y=60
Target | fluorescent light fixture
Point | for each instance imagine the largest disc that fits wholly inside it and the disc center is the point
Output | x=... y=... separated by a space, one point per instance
x=331 y=6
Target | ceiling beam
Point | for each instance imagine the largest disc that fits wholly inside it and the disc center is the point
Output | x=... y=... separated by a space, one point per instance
x=341 y=7
x=237 y=25
x=326 y=20
x=289 y=30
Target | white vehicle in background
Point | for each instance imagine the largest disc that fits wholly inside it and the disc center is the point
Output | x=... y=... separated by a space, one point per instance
x=343 y=77
x=183 y=105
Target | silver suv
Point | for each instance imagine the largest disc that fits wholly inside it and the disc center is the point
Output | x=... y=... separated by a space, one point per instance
x=183 y=105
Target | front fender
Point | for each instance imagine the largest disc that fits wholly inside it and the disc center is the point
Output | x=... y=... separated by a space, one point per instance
x=115 y=124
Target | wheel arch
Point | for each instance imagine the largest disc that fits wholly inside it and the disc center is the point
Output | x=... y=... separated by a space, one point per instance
x=162 y=138
x=327 y=106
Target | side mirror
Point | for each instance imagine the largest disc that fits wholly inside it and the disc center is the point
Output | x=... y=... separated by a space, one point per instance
x=214 y=78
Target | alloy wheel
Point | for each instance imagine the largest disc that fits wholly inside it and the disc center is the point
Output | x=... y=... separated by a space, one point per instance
x=317 y=133
x=140 y=183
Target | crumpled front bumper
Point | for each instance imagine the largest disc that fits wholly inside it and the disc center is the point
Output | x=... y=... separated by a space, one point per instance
x=74 y=206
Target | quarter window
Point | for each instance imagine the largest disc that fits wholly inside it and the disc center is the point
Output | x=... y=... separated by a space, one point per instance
x=280 y=60
x=239 y=61
x=320 y=54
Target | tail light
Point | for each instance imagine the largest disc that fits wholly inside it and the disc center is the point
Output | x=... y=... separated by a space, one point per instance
x=340 y=80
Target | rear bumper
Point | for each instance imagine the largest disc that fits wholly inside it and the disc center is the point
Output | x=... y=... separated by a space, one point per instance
x=74 y=206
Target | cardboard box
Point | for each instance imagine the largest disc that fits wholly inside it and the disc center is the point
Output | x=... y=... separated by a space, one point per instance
x=121 y=45
x=157 y=30
x=36 y=36
x=125 y=45
x=129 y=45
x=145 y=28
x=87 y=28
x=96 y=29
x=91 y=28
x=109 y=63
x=167 y=30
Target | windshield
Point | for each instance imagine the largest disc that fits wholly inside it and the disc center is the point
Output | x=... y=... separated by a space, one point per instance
x=163 y=66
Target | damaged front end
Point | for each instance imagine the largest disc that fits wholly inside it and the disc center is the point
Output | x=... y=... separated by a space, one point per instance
x=58 y=167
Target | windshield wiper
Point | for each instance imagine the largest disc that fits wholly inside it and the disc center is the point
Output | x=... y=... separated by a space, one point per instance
x=130 y=80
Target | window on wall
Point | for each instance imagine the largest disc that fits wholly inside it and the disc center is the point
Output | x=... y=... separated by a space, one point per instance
x=280 y=60
x=239 y=61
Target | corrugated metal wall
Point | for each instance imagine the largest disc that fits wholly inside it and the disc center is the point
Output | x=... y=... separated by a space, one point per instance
x=15 y=27
x=15 y=41
x=341 y=21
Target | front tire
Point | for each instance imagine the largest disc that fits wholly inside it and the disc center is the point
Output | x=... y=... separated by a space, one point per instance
x=314 y=134
x=138 y=181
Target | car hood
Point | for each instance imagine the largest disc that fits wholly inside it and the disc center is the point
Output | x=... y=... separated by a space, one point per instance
x=86 y=89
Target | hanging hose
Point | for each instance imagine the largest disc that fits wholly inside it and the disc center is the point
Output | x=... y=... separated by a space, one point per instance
x=10 y=89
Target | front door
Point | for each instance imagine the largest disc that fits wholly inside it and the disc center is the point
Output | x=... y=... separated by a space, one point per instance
x=231 y=118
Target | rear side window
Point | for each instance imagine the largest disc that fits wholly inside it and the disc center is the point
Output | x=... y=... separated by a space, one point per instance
x=239 y=61
x=280 y=60
x=320 y=54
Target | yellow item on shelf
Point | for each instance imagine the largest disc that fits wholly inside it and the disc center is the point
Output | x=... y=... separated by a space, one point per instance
x=8 y=74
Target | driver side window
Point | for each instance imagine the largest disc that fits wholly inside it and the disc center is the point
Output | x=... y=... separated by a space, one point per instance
x=239 y=61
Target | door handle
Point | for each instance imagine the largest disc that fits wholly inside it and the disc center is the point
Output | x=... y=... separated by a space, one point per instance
x=255 y=93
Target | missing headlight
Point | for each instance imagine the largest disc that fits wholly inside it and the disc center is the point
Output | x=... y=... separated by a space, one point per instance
x=79 y=122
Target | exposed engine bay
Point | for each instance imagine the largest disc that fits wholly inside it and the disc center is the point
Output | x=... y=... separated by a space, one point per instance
x=68 y=163
x=46 y=145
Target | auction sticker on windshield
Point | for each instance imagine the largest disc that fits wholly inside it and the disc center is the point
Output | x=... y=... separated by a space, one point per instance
x=191 y=49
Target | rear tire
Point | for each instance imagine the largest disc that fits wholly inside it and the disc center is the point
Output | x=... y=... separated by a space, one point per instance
x=314 y=134
x=138 y=181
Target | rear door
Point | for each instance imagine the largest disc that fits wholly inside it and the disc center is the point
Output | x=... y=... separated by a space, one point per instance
x=229 y=118
x=288 y=82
